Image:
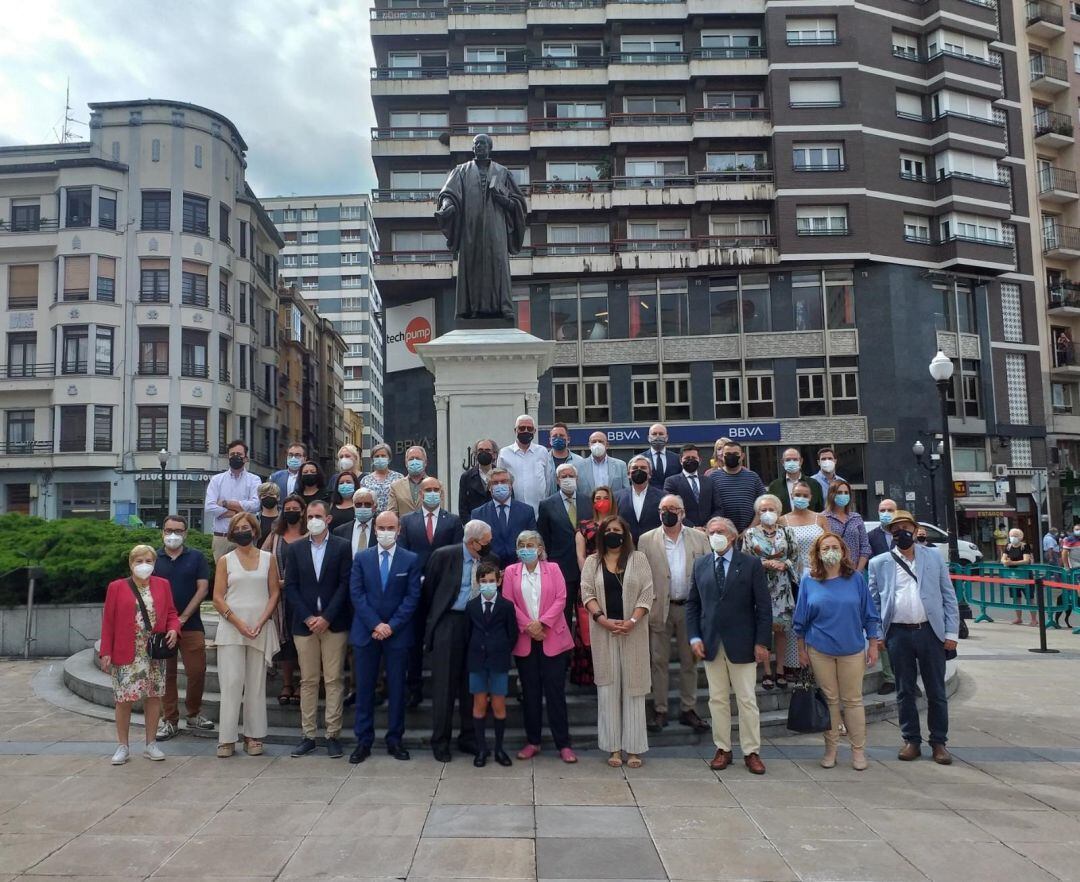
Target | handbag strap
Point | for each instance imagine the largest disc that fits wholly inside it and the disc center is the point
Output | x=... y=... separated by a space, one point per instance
x=904 y=566
x=142 y=606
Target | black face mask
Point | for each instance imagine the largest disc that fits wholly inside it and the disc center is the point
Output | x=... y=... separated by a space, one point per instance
x=691 y=465
x=268 y=502
x=484 y=458
x=236 y=462
x=243 y=539
x=639 y=476
x=484 y=550
x=731 y=460
x=614 y=540
x=903 y=539
x=525 y=437
x=309 y=480
x=669 y=518
x=291 y=517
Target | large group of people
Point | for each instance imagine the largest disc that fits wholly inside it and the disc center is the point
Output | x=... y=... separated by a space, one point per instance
x=560 y=565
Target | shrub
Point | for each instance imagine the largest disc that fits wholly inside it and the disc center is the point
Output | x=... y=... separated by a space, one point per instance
x=79 y=557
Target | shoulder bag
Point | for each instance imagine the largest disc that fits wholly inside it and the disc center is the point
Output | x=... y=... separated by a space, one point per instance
x=808 y=711
x=156 y=646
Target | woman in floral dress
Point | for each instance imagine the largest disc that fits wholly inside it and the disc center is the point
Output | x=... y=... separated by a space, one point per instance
x=381 y=476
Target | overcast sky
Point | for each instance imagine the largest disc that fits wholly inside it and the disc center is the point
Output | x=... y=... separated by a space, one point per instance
x=293 y=76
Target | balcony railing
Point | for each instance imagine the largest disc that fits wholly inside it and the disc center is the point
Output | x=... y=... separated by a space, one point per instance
x=682 y=243
x=223 y=375
x=1050 y=122
x=1060 y=237
x=1042 y=66
x=966 y=176
x=25 y=448
x=737 y=242
x=21 y=371
x=956 y=114
x=558 y=249
x=38 y=225
x=820 y=167
x=403 y=133
x=1065 y=294
x=832 y=228
x=812 y=40
x=565 y=4
x=223 y=306
x=1051 y=178
x=489 y=67
x=153 y=440
x=490 y=128
x=734 y=176
x=409 y=73
x=153 y=368
x=965 y=56
x=731 y=114
x=198 y=371
x=550 y=62
x=728 y=52
x=195 y=298
x=558 y=186
x=650 y=119
x=1042 y=11
x=486 y=8
x=650 y=182
x=403 y=195
x=649 y=57
x=561 y=123
x=407 y=14
x=400 y=257
x=73 y=368
x=153 y=297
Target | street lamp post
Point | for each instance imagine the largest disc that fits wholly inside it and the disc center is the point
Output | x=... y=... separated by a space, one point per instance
x=931 y=469
x=941 y=369
x=163 y=458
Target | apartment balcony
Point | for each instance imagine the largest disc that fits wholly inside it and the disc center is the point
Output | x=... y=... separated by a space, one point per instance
x=648 y=66
x=726 y=7
x=976 y=254
x=408 y=22
x=656 y=254
x=1064 y=362
x=979 y=72
x=558 y=12
x=647 y=10
x=565 y=195
x=507 y=136
x=729 y=61
x=951 y=122
x=732 y=122
x=737 y=251
x=22 y=377
x=969 y=187
x=1057 y=184
x=653 y=190
x=569 y=132
x=1061 y=241
x=21 y=454
x=1063 y=299
x=1044 y=19
x=489 y=76
x=36 y=233
x=572 y=258
x=547 y=71
x=402 y=203
x=396 y=266
x=399 y=81
x=487 y=16
x=1049 y=75
x=153 y=368
x=651 y=127
x=410 y=142
x=1053 y=129
x=736 y=185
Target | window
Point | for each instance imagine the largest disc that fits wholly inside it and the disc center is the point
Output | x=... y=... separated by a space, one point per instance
x=642 y=309
x=309 y=260
x=194 y=290
x=415 y=123
x=753 y=160
x=658 y=235
x=244 y=362
x=951 y=43
x=572 y=54
x=970 y=228
x=155 y=209
x=78 y=207
x=726 y=315
x=353 y=258
x=759 y=396
x=734 y=101
x=573 y=171
x=969 y=454
x=20 y=431
x=103 y=423
x=677 y=392
x=153 y=428
x=223 y=431
x=1063 y=396
x=494 y=59
x=653 y=172
x=223 y=359
x=23 y=286
x=645 y=397
x=410 y=65
x=1011 y=313
x=193 y=354
x=289 y=260
x=309 y=238
x=73 y=428
x=193 y=430
x=596 y=391
x=649 y=49
x=496 y=120
x=806 y=301
x=577 y=238
x=811 y=388
x=814 y=93
x=909 y=105
x=103 y=351
x=811 y=31
x=352 y=212
x=154 y=280
x=912 y=168
x=579 y=311
x=76 y=343
x=22 y=355
x=736 y=226
x=416 y=180
x=25 y=218
x=675 y=310
x=654 y=104
x=818 y=157
x=740 y=39
x=244 y=238
x=309 y=214
x=970 y=383
x=958 y=163
x=196 y=214
x=420 y=243
x=575 y=115
x=917 y=228
x=727 y=396
x=84 y=500
x=354 y=281
x=198 y=156
x=845 y=392
x=839 y=299
x=821 y=220
x=950 y=103
x=905 y=45
x=154 y=351
x=566 y=401
x=107 y=210
x=76 y=278
x=223 y=223
x=106 y=279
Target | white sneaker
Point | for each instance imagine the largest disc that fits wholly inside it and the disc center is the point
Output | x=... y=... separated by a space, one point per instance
x=166 y=730
x=121 y=755
x=153 y=752
x=199 y=722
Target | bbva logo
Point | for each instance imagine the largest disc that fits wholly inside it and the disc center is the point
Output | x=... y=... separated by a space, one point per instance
x=745 y=432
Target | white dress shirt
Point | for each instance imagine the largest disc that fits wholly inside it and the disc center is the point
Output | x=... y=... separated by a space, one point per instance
x=318 y=552
x=638 y=499
x=599 y=472
x=662 y=453
x=242 y=488
x=694 y=480
x=676 y=560
x=908 y=607
x=290 y=483
x=792 y=480
x=531 y=469
x=530 y=590
x=434 y=515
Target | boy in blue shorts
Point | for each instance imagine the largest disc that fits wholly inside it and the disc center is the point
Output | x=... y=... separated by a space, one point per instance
x=493 y=631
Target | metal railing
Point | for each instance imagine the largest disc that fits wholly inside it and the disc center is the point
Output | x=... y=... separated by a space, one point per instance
x=409 y=73
x=223 y=306
x=964 y=56
x=195 y=298
x=1065 y=294
x=153 y=297
x=975 y=240
x=561 y=123
x=735 y=176
x=682 y=243
x=555 y=62
x=1041 y=10
x=565 y=4
x=830 y=229
x=558 y=186
x=486 y=8
x=223 y=375
x=820 y=167
x=190 y=369
x=488 y=67
x=407 y=14
x=731 y=114
x=720 y=53
x=20 y=371
x=25 y=448
x=396 y=195
x=737 y=242
x=153 y=368
x=1059 y=237
x=558 y=249
x=400 y=257
x=402 y=133
x=650 y=182
x=1042 y=66
x=812 y=41
x=72 y=368
x=490 y=128
x=650 y=119
x=1050 y=122
x=649 y=57
x=1051 y=178
x=38 y=225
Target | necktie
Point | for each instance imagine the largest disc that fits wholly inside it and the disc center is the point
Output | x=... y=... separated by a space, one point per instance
x=659 y=463
x=487 y=610
x=694 y=487
x=430 y=527
x=571 y=510
x=504 y=517
x=720 y=576
x=384 y=567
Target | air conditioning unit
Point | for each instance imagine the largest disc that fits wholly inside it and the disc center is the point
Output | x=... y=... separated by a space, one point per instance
x=1001 y=470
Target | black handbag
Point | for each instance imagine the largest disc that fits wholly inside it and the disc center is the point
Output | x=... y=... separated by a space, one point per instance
x=808 y=711
x=156 y=647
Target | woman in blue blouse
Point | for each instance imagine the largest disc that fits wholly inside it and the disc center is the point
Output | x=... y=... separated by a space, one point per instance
x=834 y=618
x=847 y=523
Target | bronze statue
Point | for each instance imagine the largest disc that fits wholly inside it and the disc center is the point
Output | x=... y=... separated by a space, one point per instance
x=481 y=211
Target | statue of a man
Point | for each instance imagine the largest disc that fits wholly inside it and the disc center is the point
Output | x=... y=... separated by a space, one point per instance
x=481 y=211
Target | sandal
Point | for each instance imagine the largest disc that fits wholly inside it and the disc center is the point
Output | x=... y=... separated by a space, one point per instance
x=253 y=747
x=781 y=681
x=767 y=682
x=615 y=761
x=294 y=699
x=224 y=751
x=634 y=762
x=286 y=695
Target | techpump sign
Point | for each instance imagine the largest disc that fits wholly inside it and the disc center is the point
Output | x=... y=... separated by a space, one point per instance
x=696 y=433
x=407 y=327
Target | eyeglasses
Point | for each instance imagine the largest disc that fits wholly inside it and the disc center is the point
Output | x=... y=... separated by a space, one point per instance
x=364 y=505
x=174 y=532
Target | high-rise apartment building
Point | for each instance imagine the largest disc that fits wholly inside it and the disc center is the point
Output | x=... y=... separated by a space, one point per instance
x=759 y=219
x=138 y=281
x=329 y=241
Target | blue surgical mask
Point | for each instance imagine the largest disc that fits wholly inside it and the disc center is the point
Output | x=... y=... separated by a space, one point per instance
x=500 y=492
x=800 y=502
x=380 y=462
x=415 y=466
x=528 y=555
x=791 y=465
x=345 y=490
x=558 y=444
x=842 y=499
x=885 y=518
x=488 y=590
x=294 y=462
x=432 y=498
x=363 y=515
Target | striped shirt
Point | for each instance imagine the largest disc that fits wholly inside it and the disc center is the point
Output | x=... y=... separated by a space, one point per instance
x=737 y=494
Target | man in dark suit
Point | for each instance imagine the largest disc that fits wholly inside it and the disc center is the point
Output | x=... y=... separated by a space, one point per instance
x=360 y=531
x=695 y=491
x=729 y=621
x=317 y=587
x=640 y=505
x=385 y=590
x=473 y=483
x=506 y=516
x=288 y=478
x=880 y=538
x=449 y=584
x=781 y=488
x=557 y=524
x=663 y=463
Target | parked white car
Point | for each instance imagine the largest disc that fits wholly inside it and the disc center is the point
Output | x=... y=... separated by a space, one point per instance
x=969 y=551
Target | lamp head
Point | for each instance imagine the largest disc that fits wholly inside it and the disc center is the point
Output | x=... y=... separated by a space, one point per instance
x=163 y=457
x=918 y=449
x=941 y=368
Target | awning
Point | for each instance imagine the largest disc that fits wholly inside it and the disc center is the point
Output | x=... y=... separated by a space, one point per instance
x=985 y=510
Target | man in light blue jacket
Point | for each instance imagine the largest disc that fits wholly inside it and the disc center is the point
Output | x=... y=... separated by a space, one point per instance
x=921 y=622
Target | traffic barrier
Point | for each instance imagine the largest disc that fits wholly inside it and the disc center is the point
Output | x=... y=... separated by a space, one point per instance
x=992 y=586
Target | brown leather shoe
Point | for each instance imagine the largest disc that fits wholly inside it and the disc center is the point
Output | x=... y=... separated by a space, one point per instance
x=941 y=755
x=910 y=751
x=658 y=722
x=721 y=761
x=754 y=764
x=690 y=718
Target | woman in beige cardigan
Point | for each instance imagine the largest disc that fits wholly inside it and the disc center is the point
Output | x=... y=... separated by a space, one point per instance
x=617 y=590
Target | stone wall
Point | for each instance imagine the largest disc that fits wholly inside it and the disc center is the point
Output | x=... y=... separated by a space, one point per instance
x=58 y=630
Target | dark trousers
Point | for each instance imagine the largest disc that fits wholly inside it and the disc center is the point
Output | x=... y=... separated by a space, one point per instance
x=367 y=673
x=916 y=651
x=415 y=677
x=543 y=681
x=450 y=680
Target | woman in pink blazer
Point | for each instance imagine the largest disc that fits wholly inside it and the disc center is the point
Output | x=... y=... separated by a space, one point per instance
x=538 y=592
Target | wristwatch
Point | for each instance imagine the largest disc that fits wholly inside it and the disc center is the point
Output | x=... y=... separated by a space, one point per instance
x=632 y=619
x=596 y=615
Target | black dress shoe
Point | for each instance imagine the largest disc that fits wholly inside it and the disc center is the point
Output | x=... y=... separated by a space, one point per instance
x=398 y=752
x=350 y=699
x=468 y=747
x=480 y=760
x=416 y=698
x=305 y=747
x=333 y=748
x=362 y=752
x=886 y=688
x=690 y=718
x=442 y=754
x=502 y=759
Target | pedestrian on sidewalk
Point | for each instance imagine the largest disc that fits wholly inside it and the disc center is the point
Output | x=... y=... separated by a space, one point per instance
x=188 y=575
x=493 y=631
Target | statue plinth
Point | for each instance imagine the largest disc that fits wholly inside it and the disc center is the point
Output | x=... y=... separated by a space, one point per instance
x=485 y=377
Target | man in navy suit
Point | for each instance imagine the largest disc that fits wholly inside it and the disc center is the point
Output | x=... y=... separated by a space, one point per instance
x=385 y=590
x=640 y=505
x=317 y=587
x=288 y=478
x=506 y=516
x=695 y=491
x=557 y=524
x=663 y=463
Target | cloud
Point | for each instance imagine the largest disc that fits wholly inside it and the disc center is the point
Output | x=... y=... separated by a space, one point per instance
x=292 y=76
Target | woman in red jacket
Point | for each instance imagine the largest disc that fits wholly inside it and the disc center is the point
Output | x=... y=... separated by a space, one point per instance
x=123 y=652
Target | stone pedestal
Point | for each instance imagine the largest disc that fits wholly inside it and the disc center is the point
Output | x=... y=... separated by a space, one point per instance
x=484 y=379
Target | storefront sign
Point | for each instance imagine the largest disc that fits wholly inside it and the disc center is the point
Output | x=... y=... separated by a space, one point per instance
x=960 y=488
x=705 y=434
x=988 y=513
x=407 y=326
x=984 y=488
x=173 y=476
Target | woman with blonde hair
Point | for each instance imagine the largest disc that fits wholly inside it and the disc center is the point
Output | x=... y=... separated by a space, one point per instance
x=135 y=608
x=269 y=506
x=246 y=591
x=834 y=620
x=381 y=476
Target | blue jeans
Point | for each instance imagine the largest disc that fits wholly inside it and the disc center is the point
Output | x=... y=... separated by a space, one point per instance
x=916 y=651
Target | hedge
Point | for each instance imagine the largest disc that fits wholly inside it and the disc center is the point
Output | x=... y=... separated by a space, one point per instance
x=80 y=557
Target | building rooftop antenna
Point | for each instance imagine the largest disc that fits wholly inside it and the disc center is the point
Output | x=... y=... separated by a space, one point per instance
x=66 y=135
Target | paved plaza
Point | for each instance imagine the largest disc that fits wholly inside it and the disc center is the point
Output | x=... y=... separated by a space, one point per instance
x=1008 y=809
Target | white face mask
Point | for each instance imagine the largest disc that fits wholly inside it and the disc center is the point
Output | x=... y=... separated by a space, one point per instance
x=316 y=526
x=597 y=449
x=346 y=463
x=143 y=570
x=173 y=541
x=827 y=465
x=386 y=538
x=768 y=518
x=719 y=542
x=568 y=485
